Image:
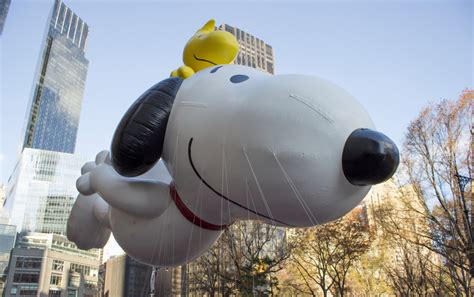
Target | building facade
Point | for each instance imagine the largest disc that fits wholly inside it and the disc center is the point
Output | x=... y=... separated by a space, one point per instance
x=4 y=6
x=4 y=218
x=53 y=115
x=3 y=192
x=42 y=190
x=50 y=265
x=46 y=272
x=126 y=277
x=253 y=52
x=7 y=241
x=54 y=242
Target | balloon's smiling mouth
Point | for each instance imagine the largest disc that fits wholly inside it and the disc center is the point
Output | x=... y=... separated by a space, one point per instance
x=221 y=195
x=203 y=60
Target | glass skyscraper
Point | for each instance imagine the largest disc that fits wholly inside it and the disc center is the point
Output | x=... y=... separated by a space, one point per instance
x=42 y=190
x=4 y=5
x=55 y=106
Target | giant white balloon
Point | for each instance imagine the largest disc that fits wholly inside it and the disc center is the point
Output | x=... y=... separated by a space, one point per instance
x=237 y=144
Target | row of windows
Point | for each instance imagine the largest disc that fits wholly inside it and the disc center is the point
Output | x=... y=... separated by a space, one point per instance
x=242 y=35
x=79 y=268
x=24 y=291
x=26 y=277
x=54 y=293
x=70 y=24
x=28 y=263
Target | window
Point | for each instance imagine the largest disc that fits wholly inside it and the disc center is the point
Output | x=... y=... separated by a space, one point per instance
x=54 y=293
x=58 y=265
x=270 y=67
x=72 y=30
x=61 y=16
x=74 y=281
x=67 y=21
x=55 y=280
x=26 y=277
x=28 y=290
x=71 y=293
x=268 y=49
x=83 y=269
x=90 y=285
x=28 y=263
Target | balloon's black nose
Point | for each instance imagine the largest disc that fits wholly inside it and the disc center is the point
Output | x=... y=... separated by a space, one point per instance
x=369 y=157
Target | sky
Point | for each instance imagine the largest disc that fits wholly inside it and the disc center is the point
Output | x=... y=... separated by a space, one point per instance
x=394 y=56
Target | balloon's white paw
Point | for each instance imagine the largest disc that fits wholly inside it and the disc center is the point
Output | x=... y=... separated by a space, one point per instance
x=83 y=184
x=84 y=228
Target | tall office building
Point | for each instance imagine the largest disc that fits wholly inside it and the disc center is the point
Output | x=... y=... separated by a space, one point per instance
x=55 y=106
x=253 y=52
x=4 y=6
x=42 y=190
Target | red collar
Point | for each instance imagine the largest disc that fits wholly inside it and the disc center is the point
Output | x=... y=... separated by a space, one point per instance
x=188 y=214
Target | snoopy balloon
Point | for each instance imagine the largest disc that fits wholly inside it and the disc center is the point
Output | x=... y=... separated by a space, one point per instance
x=238 y=144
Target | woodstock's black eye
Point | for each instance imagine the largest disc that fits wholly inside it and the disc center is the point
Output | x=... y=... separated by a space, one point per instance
x=238 y=78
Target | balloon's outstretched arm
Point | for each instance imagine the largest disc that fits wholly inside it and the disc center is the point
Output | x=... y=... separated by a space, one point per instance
x=137 y=196
x=183 y=72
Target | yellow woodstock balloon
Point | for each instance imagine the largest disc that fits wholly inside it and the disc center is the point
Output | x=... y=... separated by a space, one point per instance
x=207 y=47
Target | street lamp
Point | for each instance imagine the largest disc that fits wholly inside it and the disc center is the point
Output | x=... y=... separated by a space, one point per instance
x=462 y=183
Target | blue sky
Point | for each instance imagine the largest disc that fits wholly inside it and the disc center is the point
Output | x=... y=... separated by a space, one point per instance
x=393 y=56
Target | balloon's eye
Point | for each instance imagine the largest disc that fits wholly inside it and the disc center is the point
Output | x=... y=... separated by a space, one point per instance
x=238 y=78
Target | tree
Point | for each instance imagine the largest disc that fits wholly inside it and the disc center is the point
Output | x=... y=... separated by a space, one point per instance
x=245 y=260
x=436 y=154
x=409 y=267
x=325 y=253
x=415 y=272
x=368 y=277
x=203 y=274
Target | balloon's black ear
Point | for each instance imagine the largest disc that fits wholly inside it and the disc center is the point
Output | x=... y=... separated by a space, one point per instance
x=138 y=140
